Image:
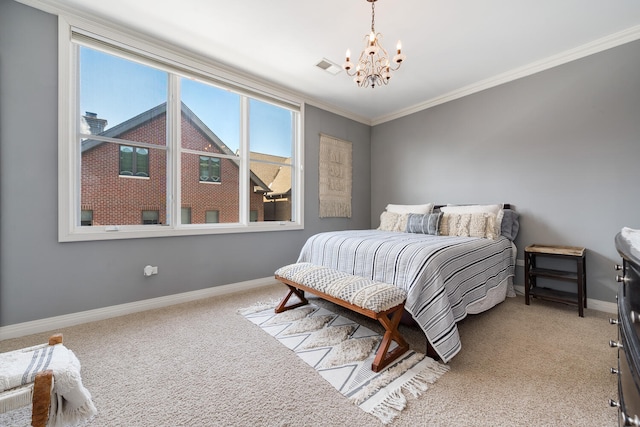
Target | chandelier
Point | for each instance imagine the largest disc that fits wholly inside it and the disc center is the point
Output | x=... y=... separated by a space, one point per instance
x=373 y=67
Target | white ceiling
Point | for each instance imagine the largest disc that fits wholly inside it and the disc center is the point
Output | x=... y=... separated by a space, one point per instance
x=453 y=47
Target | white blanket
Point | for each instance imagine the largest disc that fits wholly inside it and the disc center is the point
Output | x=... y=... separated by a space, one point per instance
x=70 y=401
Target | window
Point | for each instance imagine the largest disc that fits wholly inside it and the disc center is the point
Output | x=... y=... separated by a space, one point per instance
x=86 y=218
x=211 y=217
x=209 y=169
x=150 y=217
x=185 y=216
x=134 y=161
x=178 y=123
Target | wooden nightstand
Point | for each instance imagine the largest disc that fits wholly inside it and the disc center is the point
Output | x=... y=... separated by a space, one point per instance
x=578 y=276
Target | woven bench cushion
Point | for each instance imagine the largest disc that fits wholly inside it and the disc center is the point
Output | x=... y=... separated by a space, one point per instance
x=356 y=290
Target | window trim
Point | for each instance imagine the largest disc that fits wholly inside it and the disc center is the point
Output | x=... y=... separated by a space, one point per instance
x=174 y=60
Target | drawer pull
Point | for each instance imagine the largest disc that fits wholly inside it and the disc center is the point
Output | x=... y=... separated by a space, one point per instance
x=617 y=267
x=613 y=321
x=615 y=344
x=619 y=278
x=614 y=371
x=626 y=420
x=629 y=421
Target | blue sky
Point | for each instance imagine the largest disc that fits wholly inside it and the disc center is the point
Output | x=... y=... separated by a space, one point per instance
x=117 y=89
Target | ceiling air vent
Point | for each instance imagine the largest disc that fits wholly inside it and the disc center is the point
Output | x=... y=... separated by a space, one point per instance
x=329 y=67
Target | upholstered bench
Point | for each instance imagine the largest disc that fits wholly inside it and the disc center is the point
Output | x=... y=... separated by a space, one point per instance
x=376 y=300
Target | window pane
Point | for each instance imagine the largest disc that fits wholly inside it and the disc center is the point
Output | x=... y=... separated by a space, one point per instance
x=150 y=217
x=222 y=195
x=118 y=199
x=86 y=217
x=270 y=129
x=277 y=201
x=126 y=160
x=211 y=217
x=185 y=216
x=142 y=162
x=118 y=95
x=213 y=118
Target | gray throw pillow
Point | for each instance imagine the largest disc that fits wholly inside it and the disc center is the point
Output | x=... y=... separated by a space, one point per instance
x=424 y=223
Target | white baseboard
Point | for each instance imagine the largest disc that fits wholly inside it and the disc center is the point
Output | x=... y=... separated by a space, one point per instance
x=604 y=306
x=64 y=321
x=57 y=322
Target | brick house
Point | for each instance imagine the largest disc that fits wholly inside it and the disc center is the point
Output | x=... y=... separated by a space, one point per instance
x=122 y=184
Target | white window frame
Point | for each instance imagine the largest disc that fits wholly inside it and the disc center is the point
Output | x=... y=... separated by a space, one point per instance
x=186 y=64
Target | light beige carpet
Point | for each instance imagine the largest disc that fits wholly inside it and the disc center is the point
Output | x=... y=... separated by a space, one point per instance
x=203 y=364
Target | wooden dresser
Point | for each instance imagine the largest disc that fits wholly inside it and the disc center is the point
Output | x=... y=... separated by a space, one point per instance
x=628 y=343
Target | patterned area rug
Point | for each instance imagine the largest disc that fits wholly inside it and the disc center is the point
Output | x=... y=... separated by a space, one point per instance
x=342 y=351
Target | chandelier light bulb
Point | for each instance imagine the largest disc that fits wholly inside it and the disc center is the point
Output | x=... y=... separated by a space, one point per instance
x=399 y=47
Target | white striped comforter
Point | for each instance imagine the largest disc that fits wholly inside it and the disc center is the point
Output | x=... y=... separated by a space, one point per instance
x=442 y=275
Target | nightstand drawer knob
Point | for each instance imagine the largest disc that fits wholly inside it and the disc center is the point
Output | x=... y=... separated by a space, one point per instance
x=617 y=267
x=615 y=344
x=619 y=278
x=614 y=371
x=629 y=421
x=614 y=321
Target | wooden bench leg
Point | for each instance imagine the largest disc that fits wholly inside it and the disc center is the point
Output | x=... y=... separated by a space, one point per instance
x=383 y=356
x=41 y=398
x=292 y=291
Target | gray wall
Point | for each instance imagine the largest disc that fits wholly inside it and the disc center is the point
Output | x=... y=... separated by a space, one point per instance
x=562 y=145
x=41 y=278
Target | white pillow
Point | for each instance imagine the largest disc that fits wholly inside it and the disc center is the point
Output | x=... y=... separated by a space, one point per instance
x=469 y=209
x=407 y=209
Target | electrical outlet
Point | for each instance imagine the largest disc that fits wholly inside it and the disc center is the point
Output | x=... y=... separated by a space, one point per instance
x=150 y=270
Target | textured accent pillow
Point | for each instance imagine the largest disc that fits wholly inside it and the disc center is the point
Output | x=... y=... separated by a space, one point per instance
x=401 y=225
x=479 y=224
x=425 y=224
x=462 y=225
x=407 y=209
x=388 y=221
x=471 y=209
x=491 y=227
x=447 y=225
x=391 y=221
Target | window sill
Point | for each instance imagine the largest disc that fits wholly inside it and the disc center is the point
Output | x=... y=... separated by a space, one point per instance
x=84 y=234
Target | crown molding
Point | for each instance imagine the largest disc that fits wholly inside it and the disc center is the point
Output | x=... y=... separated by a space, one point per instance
x=596 y=46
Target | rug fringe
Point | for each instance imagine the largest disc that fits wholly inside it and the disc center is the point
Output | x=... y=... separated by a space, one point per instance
x=258 y=307
x=391 y=406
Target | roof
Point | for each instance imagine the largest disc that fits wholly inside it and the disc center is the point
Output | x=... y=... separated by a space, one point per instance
x=277 y=178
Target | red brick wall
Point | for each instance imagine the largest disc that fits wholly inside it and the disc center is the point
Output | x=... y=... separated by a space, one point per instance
x=117 y=200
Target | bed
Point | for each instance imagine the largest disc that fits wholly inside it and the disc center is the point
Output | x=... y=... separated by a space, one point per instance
x=447 y=269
